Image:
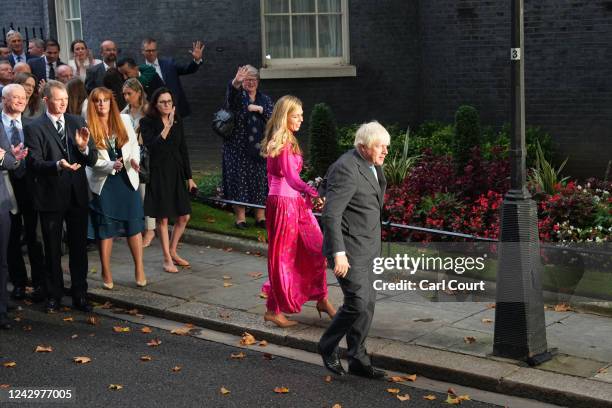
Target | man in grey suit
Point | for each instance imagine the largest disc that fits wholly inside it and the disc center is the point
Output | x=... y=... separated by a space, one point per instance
x=354 y=192
x=95 y=75
x=10 y=158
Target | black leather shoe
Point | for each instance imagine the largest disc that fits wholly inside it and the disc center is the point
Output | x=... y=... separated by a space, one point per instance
x=19 y=293
x=37 y=295
x=82 y=304
x=260 y=224
x=366 y=371
x=332 y=361
x=5 y=323
x=52 y=305
x=241 y=225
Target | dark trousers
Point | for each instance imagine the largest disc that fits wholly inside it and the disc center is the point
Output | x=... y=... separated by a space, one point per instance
x=5 y=230
x=354 y=317
x=25 y=221
x=76 y=219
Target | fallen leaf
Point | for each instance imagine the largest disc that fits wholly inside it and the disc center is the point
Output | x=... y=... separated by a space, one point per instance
x=115 y=386
x=261 y=237
x=121 y=329
x=4 y=386
x=27 y=328
x=430 y=397
x=463 y=398
x=602 y=371
x=189 y=325
x=224 y=391
x=328 y=378
x=562 y=307
x=176 y=369
x=74 y=336
x=247 y=339
x=268 y=356
x=133 y=312
x=9 y=364
x=281 y=390
x=43 y=349
x=146 y=330
x=93 y=320
x=227 y=284
x=469 y=339
x=263 y=295
x=451 y=400
x=69 y=319
x=154 y=343
x=107 y=305
x=226 y=277
x=491 y=306
x=228 y=249
x=487 y=321
x=180 y=331
x=393 y=390
x=255 y=274
x=145 y=358
x=210 y=220
x=263 y=343
x=93 y=270
x=238 y=356
x=403 y=398
x=82 y=360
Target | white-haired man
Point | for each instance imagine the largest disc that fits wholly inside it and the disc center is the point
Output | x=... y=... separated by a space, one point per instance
x=354 y=190
x=15 y=44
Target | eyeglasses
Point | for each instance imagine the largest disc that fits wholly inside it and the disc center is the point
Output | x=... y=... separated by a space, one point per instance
x=164 y=102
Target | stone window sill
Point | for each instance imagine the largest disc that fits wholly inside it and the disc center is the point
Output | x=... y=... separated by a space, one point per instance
x=305 y=71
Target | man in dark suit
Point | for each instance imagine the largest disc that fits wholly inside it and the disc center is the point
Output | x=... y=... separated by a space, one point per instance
x=354 y=191
x=95 y=75
x=15 y=44
x=60 y=148
x=169 y=70
x=45 y=67
x=25 y=215
x=10 y=157
x=145 y=74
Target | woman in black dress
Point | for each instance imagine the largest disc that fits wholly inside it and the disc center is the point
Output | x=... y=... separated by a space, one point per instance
x=167 y=194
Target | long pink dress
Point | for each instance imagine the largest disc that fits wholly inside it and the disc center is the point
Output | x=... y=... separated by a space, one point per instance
x=296 y=266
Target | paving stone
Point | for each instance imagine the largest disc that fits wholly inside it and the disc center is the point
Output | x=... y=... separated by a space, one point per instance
x=580 y=367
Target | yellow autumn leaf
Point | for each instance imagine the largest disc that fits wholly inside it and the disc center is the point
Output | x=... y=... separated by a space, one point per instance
x=463 y=398
x=146 y=330
x=81 y=360
x=227 y=284
x=154 y=343
x=146 y=358
x=487 y=321
x=281 y=390
x=69 y=319
x=121 y=329
x=224 y=391
x=562 y=307
x=115 y=386
x=247 y=339
x=411 y=377
x=176 y=369
x=403 y=398
x=263 y=343
x=180 y=331
x=227 y=277
x=393 y=390
x=43 y=349
x=430 y=397
x=238 y=356
x=9 y=364
x=469 y=339
x=452 y=400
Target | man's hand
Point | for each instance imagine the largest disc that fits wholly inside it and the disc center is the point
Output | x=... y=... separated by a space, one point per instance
x=341 y=266
x=82 y=138
x=41 y=86
x=2 y=153
x=255 y=108
x=19 y=152
x=67 y=166
x=135 y=165
x=197 y=50
x=118 y=165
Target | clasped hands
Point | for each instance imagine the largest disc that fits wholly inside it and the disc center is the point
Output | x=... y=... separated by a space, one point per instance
x=19 y=152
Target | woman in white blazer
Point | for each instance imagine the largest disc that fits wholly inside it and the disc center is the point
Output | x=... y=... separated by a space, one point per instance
x=116 y=208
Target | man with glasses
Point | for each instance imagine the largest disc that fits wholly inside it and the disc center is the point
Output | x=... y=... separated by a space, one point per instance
x=169 y=70
x=95 y=75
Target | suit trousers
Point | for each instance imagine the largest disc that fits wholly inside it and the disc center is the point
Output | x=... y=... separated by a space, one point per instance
x=76 y=218
x=354 y=317
x=5 y=230
x=25 y=221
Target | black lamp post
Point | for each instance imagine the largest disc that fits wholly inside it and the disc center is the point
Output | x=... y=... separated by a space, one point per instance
x=520 y=329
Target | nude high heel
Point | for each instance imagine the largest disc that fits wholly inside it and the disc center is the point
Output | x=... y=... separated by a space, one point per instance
x=280 y=320
x=325 y=306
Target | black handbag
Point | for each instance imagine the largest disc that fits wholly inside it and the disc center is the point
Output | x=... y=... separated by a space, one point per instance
x=223 y=123
x=145 y=159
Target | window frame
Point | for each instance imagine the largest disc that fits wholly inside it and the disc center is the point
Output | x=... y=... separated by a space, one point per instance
x=307 y=67
x=65 y=37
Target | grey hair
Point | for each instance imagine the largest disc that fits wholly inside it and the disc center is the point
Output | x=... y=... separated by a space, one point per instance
x=38 y=42
x=10 y=88
x=252 y=70
x=371 y=132
x=50 y=85
x=12 y=33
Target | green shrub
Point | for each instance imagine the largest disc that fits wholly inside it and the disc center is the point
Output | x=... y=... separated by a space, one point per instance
x=397 y=167
x=439 y=141
x=544 y=175
x=209 y=184
x=467 y=134
x=323 y=139
x=346 y=137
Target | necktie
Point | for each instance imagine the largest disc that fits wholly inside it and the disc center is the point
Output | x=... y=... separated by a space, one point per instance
x=15 y=137
x=19 y=58
x=61 y=133
x=51 y=72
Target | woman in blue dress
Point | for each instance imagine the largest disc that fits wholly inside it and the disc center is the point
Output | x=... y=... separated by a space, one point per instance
x=244 y=170
x=116 y=207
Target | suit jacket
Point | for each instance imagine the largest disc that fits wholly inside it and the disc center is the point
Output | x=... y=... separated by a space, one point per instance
x=96 y=175
x=19 y=178
x=94 y=77
x=13 y=62
x=39 y=67
x=6 y=163
x=352 y=213
x=53 y=189
x=171 y=71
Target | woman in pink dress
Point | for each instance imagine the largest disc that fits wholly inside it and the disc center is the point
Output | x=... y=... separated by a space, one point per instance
x=296 y=266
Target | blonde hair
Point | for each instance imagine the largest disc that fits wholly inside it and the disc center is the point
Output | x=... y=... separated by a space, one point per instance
x=115 y=123
x=277 y=135
x=371 y=132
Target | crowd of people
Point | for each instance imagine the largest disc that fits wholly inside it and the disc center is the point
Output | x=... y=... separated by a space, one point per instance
x=71 y=142
x=71 y=145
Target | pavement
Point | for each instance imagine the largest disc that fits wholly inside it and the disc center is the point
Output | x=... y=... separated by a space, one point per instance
x=221 y=291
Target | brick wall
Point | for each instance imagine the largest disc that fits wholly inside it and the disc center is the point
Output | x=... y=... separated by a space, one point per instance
x=22 y=13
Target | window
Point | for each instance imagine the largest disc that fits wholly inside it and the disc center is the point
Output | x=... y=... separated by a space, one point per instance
x=305 y=38
x=68 y=13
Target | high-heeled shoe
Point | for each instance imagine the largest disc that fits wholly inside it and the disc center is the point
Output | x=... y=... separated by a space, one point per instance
x=326 y=307
x=280 y=320
x=108 y=286
x=142 y=283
